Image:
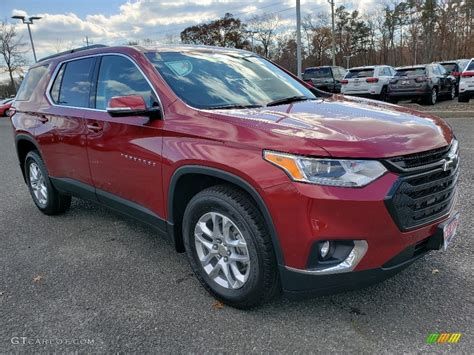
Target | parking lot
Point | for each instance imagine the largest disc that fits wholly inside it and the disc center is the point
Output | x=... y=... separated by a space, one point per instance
x=96 y=281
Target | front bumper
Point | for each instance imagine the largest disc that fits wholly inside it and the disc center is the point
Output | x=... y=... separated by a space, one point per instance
x=297 y=284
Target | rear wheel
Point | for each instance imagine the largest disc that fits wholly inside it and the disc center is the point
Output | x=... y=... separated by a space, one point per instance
x=432 y=98
x=49 y=200
x=463 y=98
x=383 y=94
x=229 y=248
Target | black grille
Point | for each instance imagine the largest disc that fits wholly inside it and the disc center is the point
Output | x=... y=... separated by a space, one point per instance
x=420 y=159
x=420 y=198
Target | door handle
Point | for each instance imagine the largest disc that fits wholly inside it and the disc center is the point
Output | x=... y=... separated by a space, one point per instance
x=94 y=127
x=43 y=119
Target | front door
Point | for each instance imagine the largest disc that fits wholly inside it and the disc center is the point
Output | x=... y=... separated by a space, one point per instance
x=125 y=152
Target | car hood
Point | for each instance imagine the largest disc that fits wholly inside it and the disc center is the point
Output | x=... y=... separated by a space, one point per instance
x=345 y=127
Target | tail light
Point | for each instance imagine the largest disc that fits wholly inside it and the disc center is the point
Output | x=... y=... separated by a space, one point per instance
x=344 y=82
x=420 y=79
x=372 y=80
x=309 y=84
x=468 y=74
x=455 y=73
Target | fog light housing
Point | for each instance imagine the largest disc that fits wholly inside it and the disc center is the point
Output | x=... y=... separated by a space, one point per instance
x=324 y=249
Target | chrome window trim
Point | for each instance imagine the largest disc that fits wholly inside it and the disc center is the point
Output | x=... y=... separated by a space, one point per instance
x=60 y=64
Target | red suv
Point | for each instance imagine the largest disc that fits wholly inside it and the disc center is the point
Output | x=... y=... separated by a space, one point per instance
x=266 y=185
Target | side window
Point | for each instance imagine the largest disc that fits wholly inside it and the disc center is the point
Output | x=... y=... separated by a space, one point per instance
x=435 y=70
x=441 y=69
x=30 y=82
x=72 y=85
x=118 y=76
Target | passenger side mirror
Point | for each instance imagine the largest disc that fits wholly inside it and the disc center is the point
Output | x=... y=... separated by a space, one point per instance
x=131 y=105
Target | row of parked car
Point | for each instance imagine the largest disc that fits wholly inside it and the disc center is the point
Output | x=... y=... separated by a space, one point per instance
x=425 y=82
x=5 y=105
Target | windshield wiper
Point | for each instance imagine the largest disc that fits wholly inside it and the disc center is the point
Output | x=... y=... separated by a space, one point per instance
x=232 y=106
x=288 y=100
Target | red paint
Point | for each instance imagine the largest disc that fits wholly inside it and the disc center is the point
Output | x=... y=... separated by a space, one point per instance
x=135 y=157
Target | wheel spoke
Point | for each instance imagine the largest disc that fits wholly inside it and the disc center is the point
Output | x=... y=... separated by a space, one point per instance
x=237 y=274
x=239 y=258
x=228 y=275
x=202 y=227
x=206 y=259
x=204 y=242
x=216 y=233
x=237 y=243
x=215 y=270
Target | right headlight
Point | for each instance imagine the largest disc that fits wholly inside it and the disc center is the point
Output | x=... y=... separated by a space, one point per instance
x=330 y=172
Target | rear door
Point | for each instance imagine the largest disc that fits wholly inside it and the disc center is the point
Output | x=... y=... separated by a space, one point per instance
x=124 y=152
x=63 y=133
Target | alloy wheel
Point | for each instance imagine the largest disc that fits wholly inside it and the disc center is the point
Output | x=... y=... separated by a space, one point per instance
x=222 y=250
x=38 y=185
x=434 y=96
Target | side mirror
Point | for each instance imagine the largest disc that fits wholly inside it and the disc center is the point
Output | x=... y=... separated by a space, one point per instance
x=131 y=105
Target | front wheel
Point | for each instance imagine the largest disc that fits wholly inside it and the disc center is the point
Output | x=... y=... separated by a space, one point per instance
x=229 y=248
x=49 y=200
x=383 y=94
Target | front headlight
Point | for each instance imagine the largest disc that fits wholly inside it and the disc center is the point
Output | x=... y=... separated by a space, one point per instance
x=331 y=172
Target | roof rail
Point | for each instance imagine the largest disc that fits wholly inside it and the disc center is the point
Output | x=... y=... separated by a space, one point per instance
x=73 y=51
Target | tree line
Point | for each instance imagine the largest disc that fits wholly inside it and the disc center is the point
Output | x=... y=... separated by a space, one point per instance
x=399 y=33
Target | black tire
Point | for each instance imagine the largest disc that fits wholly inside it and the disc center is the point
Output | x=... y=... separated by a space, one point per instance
x=452 y=93
x=55 y=202
x=262 y=283
x=383 y=94
x=463 y=98
x=432 y=97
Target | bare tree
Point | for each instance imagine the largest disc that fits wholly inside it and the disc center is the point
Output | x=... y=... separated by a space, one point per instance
x=12 y=50
x=265 y=27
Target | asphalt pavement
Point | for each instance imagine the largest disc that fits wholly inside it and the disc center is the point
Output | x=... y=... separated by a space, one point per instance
x=93 y=280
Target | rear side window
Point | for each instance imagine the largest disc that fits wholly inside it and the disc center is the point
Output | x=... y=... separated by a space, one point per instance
x=72 y=84
x=360 y=73
x=118 y=76
x=30 y=82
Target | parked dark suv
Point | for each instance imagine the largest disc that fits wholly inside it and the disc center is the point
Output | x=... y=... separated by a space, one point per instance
x=265 y=185
x=422 y=82
x=325 y=78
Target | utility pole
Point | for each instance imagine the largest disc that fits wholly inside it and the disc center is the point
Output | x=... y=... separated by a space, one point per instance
x=333 y=30
x=87 y=41
x=29 y=21
x=298 y=38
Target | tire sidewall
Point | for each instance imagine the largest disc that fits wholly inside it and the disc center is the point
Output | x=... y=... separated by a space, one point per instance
x=195 y=210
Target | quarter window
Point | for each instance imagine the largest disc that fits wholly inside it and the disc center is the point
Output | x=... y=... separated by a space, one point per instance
x=30 y=83
x=72 y=85
x=118 y=76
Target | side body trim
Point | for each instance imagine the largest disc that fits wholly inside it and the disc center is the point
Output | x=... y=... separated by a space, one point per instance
x=119 y=204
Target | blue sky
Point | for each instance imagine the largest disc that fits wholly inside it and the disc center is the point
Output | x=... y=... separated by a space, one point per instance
x=66 y=23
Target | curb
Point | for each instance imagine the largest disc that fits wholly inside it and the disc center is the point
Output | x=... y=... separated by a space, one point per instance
x=452 y=114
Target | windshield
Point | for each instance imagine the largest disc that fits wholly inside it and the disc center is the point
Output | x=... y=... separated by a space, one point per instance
x=360 y=73
x=210 y=80
x=317 y=73
x=410 y=71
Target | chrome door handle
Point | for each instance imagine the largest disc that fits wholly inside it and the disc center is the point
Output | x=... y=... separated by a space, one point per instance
x=94 y=127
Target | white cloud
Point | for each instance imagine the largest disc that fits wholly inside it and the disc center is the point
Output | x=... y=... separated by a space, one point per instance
x=152 y=19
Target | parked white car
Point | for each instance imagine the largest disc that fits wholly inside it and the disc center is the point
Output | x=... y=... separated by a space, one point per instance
x=466 y=83
x=370 y=81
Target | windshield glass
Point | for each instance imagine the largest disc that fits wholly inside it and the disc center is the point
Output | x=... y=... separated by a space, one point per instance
x=360 y=73
x=209 y=80
x=317 y=73
x=410 y=71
